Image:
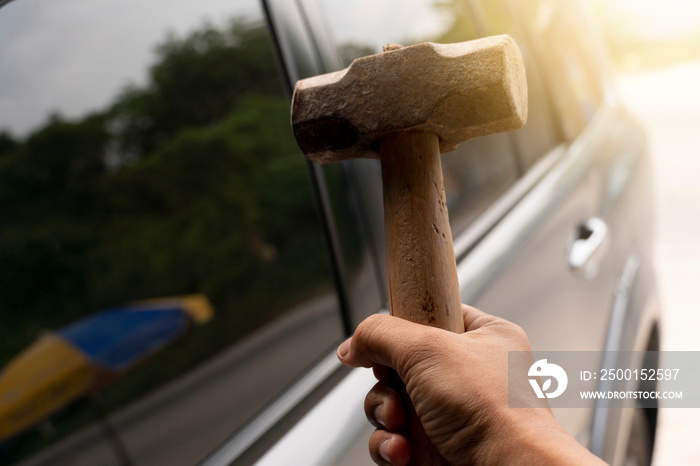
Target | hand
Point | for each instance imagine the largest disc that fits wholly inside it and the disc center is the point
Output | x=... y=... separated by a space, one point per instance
x=458 y=386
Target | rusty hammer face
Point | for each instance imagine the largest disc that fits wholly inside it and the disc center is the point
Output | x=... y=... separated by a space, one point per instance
x=406 y=106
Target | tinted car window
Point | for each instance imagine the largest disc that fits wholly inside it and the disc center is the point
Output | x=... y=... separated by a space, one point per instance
x=566 y=51
x=478 y=171
x=541 y=133
x=358 y=267
x=164 y=274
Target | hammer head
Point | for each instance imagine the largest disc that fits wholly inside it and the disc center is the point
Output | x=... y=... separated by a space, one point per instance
x=456 y=91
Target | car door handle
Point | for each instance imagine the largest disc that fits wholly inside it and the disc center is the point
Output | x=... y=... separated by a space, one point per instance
x=588 y=240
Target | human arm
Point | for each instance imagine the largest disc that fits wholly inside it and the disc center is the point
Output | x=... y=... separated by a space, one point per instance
x=458 y=386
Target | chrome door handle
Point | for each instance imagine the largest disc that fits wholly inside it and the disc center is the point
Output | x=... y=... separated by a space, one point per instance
x=588 y=240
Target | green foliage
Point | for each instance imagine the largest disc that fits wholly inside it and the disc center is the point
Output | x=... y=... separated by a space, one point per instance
x=195 y=82
x=233 y=187
x=192 y=184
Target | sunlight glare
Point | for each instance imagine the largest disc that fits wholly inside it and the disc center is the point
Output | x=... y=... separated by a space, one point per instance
x=659 y=19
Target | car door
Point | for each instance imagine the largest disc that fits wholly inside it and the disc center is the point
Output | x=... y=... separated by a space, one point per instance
x=567 y=302
x=522 y=205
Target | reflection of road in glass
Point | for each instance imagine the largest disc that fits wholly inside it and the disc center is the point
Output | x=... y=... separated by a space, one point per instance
x=211 y=400
x=668 y=103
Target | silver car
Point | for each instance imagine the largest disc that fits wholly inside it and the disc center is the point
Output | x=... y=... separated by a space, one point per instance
x=176 y=276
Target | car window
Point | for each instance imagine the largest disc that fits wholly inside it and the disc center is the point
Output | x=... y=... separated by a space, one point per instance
x=541 y=133
x=361 y=274
x=164 y=274
x=568 y=55
x=479 y=170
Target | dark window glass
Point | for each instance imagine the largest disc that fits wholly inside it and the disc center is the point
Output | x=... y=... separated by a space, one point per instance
x=361 y=273
x=480 y=170
x=163 y=272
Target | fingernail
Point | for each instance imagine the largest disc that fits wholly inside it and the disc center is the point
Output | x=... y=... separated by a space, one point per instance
x=384 y=450
x=378 y=417
x=344 y=349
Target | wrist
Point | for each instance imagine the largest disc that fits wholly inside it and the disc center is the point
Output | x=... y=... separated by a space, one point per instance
x=533 y=436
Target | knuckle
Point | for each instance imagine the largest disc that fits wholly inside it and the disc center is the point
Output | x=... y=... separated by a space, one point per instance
x=516 y=335
x=367 y=330
x=372 y=401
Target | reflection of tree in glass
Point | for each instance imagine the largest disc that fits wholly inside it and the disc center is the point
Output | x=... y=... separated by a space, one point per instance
x=190 y=184
x=195 y=82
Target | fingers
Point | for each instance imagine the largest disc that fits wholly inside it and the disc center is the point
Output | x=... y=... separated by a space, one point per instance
x=385 y=409
x=382 y=340
x=387 y=448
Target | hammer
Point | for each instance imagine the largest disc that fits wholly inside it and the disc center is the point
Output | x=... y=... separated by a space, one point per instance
x=405 y=106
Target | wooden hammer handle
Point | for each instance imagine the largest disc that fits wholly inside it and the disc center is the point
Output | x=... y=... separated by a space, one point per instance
x=421 y=267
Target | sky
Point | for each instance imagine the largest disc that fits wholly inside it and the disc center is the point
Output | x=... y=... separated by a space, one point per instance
x=75 y=56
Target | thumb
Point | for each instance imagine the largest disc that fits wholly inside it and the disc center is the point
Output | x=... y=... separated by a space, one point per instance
x=384 y=340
